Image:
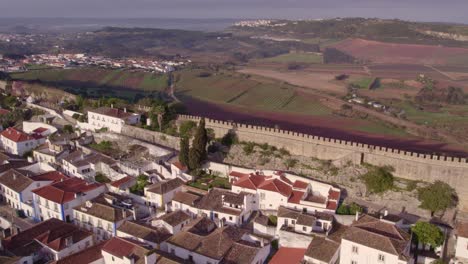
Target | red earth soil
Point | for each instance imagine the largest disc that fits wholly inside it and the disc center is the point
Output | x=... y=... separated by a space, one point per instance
x=380 y=52
x=315 y=125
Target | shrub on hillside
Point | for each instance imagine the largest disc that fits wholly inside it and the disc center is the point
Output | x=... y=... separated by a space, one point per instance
x=379 y=179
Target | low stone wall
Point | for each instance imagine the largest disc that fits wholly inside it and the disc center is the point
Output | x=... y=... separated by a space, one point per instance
x=151 y=136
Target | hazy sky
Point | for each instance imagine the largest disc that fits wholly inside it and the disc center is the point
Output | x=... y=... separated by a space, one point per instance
x=425 y=10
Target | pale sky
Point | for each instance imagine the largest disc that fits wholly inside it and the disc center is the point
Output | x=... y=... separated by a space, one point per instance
x=419 y=10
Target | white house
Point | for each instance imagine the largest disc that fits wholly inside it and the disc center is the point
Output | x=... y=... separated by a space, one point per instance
x=17 y=142
x=16 y=188
x=58 y=200
x=48 y=240
x=369 y=240
x=160 y=194
x=85 y=165
x=278 y=190
x=202 y=242
x=127 y=251
x=102 y=215
x=461 y=246
x=173 y=222
x=154 y=236
x=111 y=118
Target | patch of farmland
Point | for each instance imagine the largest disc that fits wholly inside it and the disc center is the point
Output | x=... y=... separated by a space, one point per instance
x=267 y=96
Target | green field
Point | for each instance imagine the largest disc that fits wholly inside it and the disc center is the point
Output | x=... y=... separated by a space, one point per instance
x=362 y=83
x=296 y=57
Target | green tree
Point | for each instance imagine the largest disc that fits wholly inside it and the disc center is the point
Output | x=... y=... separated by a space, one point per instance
x=290 y=163
x=437 y=196
x=378 y=180
x=428 y=234
x=68 y=129
x=157 y=114
x=197 y=153
x=186 y=128
x=184 y=151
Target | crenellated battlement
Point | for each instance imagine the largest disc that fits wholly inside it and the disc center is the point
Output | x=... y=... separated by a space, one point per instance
x=331 y=142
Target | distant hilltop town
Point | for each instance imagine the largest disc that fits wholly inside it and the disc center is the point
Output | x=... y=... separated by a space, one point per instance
x=85 y=60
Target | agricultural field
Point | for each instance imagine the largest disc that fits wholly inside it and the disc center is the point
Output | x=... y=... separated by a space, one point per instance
x=381 y=52
x=301 y=57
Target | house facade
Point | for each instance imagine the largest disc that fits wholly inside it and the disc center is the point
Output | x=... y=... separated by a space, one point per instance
x=111 y=118
x=17 y=142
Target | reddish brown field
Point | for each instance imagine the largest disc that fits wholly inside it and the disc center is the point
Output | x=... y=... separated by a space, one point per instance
x=334 y=127
x=380 y=52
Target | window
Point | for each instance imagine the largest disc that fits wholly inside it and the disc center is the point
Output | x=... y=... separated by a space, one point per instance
x=381 y=258
x=230 y=218
x=262 y=196
x=353 y=262
x=355 y=249
x=172 y=251
x=190 y=257
x=304 y=228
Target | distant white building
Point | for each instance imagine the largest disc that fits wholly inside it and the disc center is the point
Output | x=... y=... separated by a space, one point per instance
x=111 y=118
x=17 y=142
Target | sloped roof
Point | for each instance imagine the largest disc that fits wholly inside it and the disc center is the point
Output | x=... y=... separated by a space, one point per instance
x=276 y=185
x=15 y=180
x=16 y=135
x=64 y=191
x=165 y=186
x=175 y=218
x=54 y=176
x=462 y=229
x=113 y=112
x=288 y=255
x=87 y=255
x=296 y=197
x=145 y=232
x=122 y=181
x=52 y=233
x=241 y=253
x=372 y=232
x=322 y=249
x=300 y=184
x=121 y=247
x=101 y=209
x=186 y=198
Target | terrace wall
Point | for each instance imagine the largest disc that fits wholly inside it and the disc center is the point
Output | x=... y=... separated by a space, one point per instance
x=407 y=165
x=151 y=136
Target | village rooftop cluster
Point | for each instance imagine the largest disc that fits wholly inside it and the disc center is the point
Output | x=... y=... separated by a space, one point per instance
x=69 y=203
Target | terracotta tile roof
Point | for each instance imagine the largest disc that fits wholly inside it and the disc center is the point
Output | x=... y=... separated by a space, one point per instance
x=175 y=218
x=234 y=198
x=54 y=176
x=15 y=180
x=372 y=232
x=88 y=255
x=40 y=130
x=64 y=191
x=147 y=233
x=322 y=249
x=165 y=186
x=122 y=181
x=241 y=253
x=288 y=255
x=315 y=198
x=287 y=213
x=331 y=205
x=113 y=112
x=16 y=135
x=52 y=233
x=275 y=185
x=306 y=220
x=251 y=181
x=238 y=174
x=462 y=229
x=213 y=201
x=333 y=195
x=102 y=209
x=180 y=166
x=121 y=247
x=186 y=198
x=296 y=197
x=300 y=185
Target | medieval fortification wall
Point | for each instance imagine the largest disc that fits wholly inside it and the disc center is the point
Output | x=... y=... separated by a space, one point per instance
x=407 y=165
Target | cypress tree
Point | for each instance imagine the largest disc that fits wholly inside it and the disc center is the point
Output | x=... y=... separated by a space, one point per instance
x=184 y=151
x=197 y=153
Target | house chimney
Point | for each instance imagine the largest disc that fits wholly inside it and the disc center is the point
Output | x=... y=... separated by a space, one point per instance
x=125 y=109
x=14 y=176
x=112 y=105
x=357 y=216
x=385 y=212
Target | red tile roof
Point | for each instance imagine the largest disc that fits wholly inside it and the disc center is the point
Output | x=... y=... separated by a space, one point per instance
x=275 y=185
x=54 y=176
x=16 y=135
x=64 y=191
x=296 y=197
x=333 y=195
x=288 y=255
x=122 y=181
x=88 y=255
x=300 y=184
x=238 y=174
x=40 y=130
x=180 y=166
x=121 y=247
x=331 y=205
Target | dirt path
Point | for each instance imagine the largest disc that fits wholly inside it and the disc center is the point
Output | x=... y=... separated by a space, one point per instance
x=335 y=103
